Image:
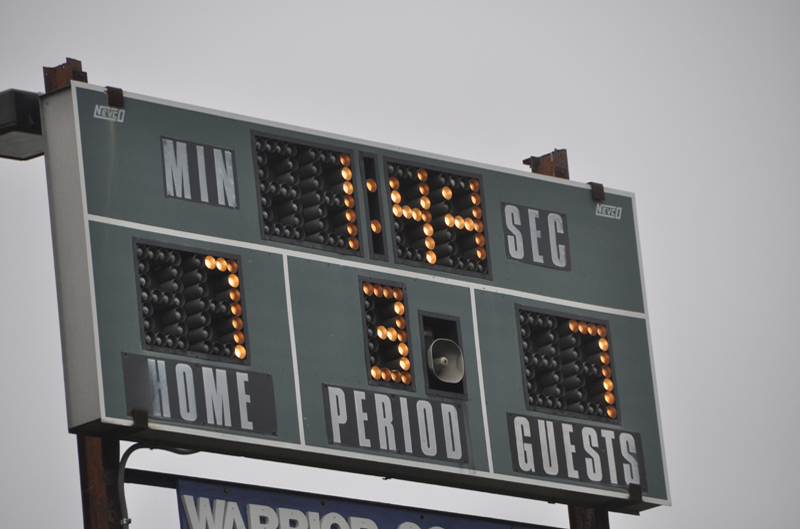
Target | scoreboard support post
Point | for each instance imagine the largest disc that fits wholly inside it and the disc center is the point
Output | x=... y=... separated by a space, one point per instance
x=587 y=518
x=98 y=462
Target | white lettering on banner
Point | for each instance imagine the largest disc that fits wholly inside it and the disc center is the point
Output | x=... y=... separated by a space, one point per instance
x=233 y=517
x=292 y=518
x=333 y=519
x=261 y=517
x=224 y=514
x=200 y=515
x=361 y=523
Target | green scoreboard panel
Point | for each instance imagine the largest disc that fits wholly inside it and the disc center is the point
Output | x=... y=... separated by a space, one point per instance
x=267 y=291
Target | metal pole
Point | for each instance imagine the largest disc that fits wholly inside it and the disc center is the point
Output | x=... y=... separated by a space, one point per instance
x=587 y=518
x=98 y=460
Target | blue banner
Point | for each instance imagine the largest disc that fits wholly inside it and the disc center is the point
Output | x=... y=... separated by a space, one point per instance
x=214 y=505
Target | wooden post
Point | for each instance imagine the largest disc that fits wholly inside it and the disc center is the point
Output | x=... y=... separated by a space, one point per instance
x=98 y=460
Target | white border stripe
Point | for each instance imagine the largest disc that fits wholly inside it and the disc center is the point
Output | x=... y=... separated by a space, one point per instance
x=331 y=259
x=300 y=426
x=89 y=260
x=650 y=349
x=480 y=381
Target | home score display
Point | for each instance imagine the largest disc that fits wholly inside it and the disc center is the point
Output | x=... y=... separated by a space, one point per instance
x=272 y=292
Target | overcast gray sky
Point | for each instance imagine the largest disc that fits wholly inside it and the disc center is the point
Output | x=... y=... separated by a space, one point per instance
x=692 y=106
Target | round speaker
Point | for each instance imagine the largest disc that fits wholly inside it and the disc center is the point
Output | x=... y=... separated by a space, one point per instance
x=446 y=360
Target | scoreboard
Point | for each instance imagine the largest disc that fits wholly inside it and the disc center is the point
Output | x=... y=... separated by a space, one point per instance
x=273 y=292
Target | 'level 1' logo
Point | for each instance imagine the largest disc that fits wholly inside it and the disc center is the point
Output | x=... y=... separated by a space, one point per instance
x=109 y=114
x=611 y=212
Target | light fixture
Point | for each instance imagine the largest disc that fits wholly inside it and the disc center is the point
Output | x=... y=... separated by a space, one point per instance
x=20 y=125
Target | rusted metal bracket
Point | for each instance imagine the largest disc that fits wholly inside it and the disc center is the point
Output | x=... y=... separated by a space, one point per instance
x=634 y=494
x=634 y=498
x=553 y=164
x=115 y=97
x=140 y=422
x=61 y=75
x=598 y=192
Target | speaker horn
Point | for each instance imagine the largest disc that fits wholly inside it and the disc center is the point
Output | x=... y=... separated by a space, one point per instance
x=446 y=360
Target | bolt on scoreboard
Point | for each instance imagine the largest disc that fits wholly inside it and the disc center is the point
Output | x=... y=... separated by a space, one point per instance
x=263 y=290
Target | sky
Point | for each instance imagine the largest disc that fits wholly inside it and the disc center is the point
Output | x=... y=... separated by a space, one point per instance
x=692 y=106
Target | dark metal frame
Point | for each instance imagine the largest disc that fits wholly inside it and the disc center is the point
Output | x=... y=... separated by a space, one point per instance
x=564 y=413
x=316 y=144
x=242 y=302
x=420 y=162
x=457 y=394
x=371 y=381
